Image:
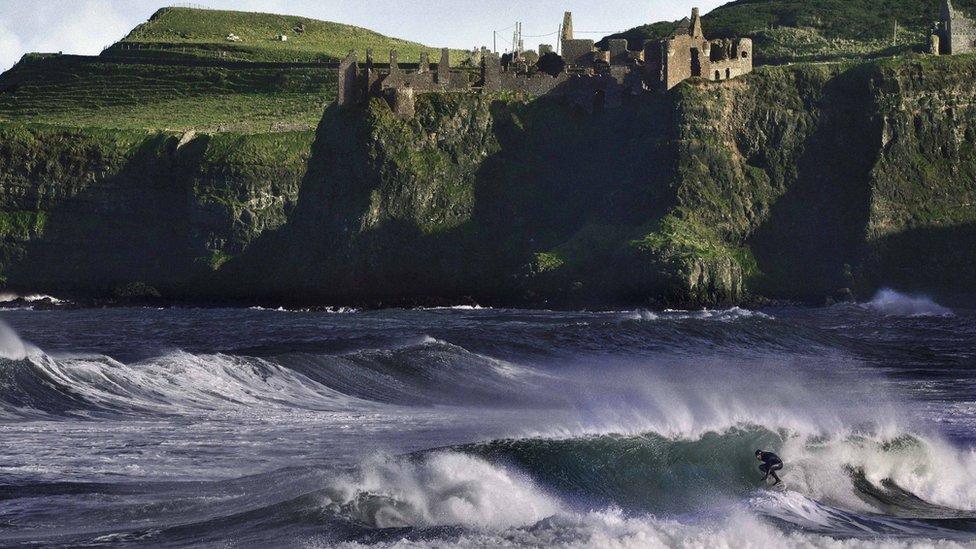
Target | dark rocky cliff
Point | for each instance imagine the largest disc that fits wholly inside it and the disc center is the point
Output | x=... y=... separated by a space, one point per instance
x=801 y=182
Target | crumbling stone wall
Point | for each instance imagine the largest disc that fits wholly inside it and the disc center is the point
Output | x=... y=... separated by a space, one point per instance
x=954 y=34
x=588 y=78
x=619 y=55
x=578 y=53
x=729 y=59
x=350 y=82
x=687 y=53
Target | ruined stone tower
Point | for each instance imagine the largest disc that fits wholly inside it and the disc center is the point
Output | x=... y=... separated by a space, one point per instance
x=567 y=26
x=687 y=53
x=586 y=78
x=954 y=33
x=576 y=53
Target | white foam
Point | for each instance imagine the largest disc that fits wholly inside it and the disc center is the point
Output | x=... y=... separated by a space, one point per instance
x=12 y=347
x=613 y=529
x=721 y=315
x=642 y=314
x=7 y=297
x=326 y=310
x=892 y=303
x=443 y=489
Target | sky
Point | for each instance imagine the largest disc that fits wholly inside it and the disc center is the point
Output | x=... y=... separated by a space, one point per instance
x=88 y=26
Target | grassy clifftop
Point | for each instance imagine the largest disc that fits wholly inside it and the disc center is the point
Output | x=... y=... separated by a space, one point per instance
x=92 y=92
x=203 y=33
x=852 y=19
x=178 y=72
x=804 y=30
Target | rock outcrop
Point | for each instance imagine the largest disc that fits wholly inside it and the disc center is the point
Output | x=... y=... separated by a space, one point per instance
x=795 y=182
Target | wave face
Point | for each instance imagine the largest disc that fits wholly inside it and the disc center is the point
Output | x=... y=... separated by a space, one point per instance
x=481 y=427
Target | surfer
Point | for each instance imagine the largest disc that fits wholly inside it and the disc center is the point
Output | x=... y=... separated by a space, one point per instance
x=770 y=464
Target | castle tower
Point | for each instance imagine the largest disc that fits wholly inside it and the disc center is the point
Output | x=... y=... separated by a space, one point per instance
x=956 y=32
x=696 y=25
x=568 y=26
x=394 y=63
x=444 y=68
x=350 y=91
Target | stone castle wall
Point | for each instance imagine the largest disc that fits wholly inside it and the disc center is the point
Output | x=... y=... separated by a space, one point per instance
x=953 y=34
x=729 y=59
x=962 y=32
x=688 y=54
x=591 y=79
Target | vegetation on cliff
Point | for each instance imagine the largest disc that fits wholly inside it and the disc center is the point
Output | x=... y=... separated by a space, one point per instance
x=786 y=31
x=94 y=210
x=225 y=180
x=793 y=182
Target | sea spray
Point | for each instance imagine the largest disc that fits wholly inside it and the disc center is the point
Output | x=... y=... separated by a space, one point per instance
x=441 y=489
x=892 y=303
x=11 y=346
x=501 y=428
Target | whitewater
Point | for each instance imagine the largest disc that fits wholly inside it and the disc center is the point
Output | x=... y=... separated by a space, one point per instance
x=480 y=427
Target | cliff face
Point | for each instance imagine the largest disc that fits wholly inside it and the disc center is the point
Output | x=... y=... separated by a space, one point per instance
x=921 y=227
x=794 y=182
x=94 y=211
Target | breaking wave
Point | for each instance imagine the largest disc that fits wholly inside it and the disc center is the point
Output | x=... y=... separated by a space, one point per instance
x=424 y=372
x=721 y=315
x=613 y=429
x=8 y=297
x=644 y=490
x=892 y=303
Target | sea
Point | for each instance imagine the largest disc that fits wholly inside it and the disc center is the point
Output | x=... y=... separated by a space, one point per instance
x=480 y=427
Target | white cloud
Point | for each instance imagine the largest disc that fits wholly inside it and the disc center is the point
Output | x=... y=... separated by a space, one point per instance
x=90 y=27
x=11 y=49
x=87 y=26
x=83 y=27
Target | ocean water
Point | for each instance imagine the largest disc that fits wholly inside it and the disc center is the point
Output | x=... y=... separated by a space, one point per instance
x=485 y=427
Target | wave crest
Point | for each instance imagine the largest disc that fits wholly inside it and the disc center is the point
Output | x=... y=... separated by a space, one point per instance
x=441 y=489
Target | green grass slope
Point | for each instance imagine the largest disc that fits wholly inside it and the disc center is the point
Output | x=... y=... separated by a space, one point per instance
x=91 y=92
x=816 y=30
x=203 y=33
x=852 y=19
x=177 y=72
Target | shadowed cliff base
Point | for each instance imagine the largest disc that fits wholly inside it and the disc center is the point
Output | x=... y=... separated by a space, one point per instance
x=458 y=203
x=939 y=261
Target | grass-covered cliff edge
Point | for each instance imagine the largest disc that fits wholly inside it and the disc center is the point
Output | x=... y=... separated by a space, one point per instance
x=801 y=182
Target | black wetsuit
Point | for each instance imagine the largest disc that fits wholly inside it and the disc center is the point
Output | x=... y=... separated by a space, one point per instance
x=770 y=464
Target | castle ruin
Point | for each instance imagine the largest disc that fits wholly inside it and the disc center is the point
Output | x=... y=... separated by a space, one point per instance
x=686 y=53
x=586 y=76
x=953 y=34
